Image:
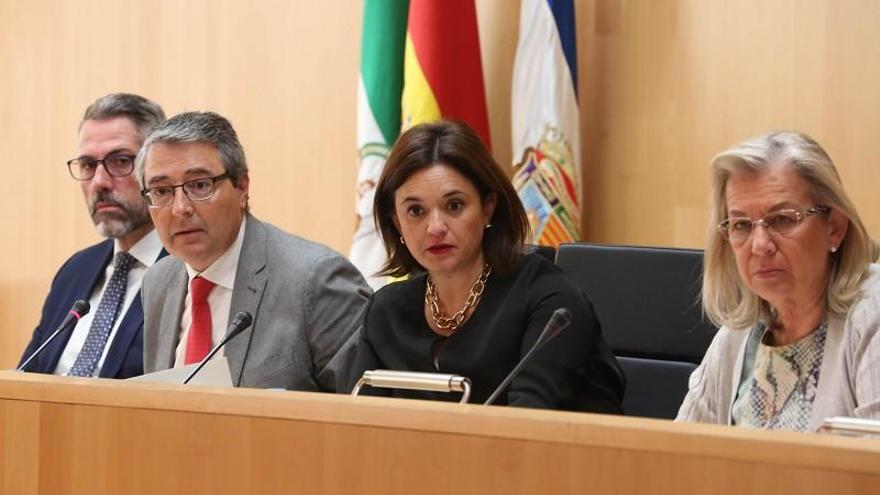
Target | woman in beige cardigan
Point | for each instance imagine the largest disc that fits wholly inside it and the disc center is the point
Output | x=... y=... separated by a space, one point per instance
x=789 y=277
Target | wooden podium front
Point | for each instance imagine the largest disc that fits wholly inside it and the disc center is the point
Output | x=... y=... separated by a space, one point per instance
x=92 y=436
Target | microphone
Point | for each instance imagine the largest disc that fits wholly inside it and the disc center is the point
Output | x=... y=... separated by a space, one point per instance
x=559 y=321
x=240 y=322
x=77 y=311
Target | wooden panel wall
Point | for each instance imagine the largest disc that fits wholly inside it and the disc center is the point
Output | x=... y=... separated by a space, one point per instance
x=664 y=85
x=667 y=84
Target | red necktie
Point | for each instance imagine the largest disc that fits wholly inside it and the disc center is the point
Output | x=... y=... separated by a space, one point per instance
x=198 y=344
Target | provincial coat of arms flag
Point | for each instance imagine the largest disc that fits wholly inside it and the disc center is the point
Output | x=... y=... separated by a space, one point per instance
x=546 y=136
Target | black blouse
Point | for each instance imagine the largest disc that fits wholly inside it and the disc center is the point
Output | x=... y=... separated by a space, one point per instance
x=574 y=371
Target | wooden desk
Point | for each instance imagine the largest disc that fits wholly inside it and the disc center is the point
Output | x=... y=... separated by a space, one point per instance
x=72 y=435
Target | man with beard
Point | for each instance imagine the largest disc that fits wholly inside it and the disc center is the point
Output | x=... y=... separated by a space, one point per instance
x=108 y=341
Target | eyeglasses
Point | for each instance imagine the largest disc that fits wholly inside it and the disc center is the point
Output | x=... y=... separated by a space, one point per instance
x=737 y=230
x=195 y=190
x=116 y=164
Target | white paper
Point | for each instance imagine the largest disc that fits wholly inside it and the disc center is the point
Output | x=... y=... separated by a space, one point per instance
x=215 y=374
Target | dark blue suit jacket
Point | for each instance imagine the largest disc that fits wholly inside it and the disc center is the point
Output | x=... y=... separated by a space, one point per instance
x=75 y=280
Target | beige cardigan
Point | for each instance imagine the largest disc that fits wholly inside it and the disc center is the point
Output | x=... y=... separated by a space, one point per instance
x=849 y=380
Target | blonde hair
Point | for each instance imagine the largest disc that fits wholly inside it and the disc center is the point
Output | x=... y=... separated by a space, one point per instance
x=726 y=299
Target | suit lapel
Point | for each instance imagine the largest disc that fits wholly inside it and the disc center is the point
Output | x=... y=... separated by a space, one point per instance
x=172 y=310
x=247 y=293
x=89 y=276
x=132 y=323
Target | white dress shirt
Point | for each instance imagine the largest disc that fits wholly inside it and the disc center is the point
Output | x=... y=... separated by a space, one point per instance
x=222 y=274
x=145 y=251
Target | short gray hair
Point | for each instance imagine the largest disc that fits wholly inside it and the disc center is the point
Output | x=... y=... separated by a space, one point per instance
x=726 y=299
x=144 y=113
x=192 y=127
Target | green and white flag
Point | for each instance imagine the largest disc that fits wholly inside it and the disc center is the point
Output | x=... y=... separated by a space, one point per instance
x=379 y=89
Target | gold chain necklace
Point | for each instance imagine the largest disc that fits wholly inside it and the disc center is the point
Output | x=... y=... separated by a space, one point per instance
x=447 y=325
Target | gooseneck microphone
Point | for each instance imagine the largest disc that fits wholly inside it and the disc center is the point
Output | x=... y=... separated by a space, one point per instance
x=559 y=321
x=241 y=321
x=77 y=311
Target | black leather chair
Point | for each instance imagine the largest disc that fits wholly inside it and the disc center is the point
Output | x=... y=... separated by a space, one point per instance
x=647 y=300
x=546 y=252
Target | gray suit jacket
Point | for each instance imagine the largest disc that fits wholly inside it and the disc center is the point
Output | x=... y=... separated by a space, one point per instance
x=306 y=301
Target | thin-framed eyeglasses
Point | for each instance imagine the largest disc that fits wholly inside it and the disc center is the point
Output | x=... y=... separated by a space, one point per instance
x=737 y=230
x=195 y=190
x=116 y=164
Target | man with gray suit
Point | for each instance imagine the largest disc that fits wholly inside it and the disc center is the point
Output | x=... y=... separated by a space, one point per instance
x=306 y=300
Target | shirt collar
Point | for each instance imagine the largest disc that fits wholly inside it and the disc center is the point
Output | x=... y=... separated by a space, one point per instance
x=146 y=250
x=222 y=270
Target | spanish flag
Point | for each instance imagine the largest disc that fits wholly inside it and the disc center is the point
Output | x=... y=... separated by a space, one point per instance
x=443 y=71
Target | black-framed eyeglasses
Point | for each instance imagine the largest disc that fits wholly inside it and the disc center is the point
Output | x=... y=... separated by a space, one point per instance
x=737 y=230
x=195 y=190
x=116 y=164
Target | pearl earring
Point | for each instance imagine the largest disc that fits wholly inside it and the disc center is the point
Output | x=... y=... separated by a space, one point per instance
x=487 y=226
x=833 y=249
x=402 y=241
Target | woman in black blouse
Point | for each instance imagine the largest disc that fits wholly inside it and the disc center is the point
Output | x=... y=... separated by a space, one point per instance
x=473 y=304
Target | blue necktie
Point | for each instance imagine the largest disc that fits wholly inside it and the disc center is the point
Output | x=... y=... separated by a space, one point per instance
x=108 y=310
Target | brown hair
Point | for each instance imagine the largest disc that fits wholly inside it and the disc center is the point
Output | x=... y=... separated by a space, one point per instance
x=456 y=145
